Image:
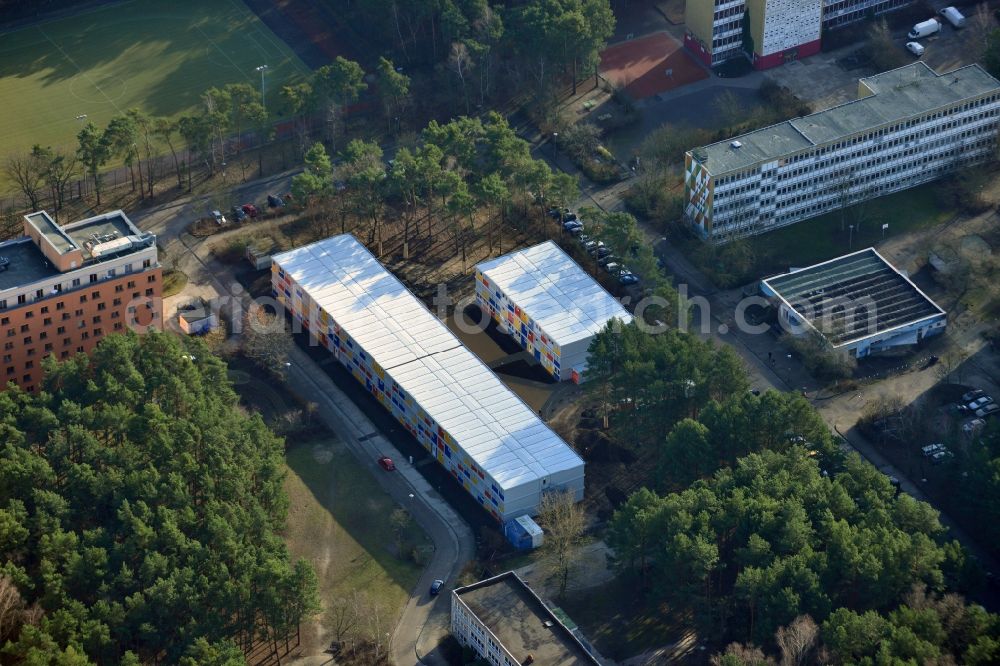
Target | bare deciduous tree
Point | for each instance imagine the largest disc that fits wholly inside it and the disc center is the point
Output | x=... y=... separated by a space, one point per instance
x=564 y=524
x=28 y=173
x=797 y=641
x=266 y=341
x=741 y=655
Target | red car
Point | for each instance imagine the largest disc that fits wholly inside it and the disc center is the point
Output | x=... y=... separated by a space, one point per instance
x=250 y=210
x=386 y=463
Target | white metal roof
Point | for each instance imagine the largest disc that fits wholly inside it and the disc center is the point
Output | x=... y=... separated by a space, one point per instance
x=484 y=417
x=555 y=291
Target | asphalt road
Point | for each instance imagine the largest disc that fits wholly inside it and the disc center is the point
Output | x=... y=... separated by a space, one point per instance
x=424 y=621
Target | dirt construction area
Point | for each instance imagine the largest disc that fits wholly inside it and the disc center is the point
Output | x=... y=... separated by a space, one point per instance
x=650 y=65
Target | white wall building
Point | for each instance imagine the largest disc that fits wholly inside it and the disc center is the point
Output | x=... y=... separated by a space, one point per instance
x=859 y=303
x=908 y=126
x=507 y=624
x=493 y=444
x=548 y=304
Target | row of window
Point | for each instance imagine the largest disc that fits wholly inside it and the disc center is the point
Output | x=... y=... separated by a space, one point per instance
x=76 y=283
x=22 y=299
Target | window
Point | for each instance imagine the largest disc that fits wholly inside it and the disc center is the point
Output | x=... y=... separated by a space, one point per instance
x=24 y=328
x=97 y=319
x=4 y=321
x=83 y=298
x=26 y=379
x=117 y=301
x=45 y=309
x=60 y=306
x=48 y=346
x=79 y=350
x=10 y=370
x=64 y=354
x=101 y=306
x=30 y=364
x=119 y=288
x=131 y=284
x=76 y=282
x=67 y=342
x=22 y=299
x=151 y=279
x=8 y=346
x=98 y=332
x=39 y=293
x=85 y=336
x=65 y=316
x=93 y=278
x=118 y=326
x=47 y=321
x=60 y=330
x=29 y=314
x=27 y=340
x=146 y=263
x=78 y=313
x=128 y=268
x=149 y=292
x=95 y=295
x=3 y=304
x=43 y=335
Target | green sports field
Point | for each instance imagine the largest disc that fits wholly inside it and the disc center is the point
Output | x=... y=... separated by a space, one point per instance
x=157 y=55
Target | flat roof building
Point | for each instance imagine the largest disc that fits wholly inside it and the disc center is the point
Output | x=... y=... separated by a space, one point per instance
x=549 y=304
x=859 y=303
x=507 y=624
x=64 y=287
x=493 y=444
x=908 y=126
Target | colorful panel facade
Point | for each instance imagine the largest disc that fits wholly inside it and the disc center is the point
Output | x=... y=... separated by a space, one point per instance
x=698 y=195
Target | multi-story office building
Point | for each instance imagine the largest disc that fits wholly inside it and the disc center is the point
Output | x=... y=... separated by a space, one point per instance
x=507 y=624
x=778 y=30
x=63 y=288
x=908 y=126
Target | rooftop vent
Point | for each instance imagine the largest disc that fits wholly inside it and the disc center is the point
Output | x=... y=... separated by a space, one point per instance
x=736 y=145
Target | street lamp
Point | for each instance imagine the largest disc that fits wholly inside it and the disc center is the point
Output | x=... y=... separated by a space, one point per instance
x=262 y=69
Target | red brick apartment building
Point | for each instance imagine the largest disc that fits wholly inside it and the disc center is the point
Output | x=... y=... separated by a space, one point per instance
x=63 y=288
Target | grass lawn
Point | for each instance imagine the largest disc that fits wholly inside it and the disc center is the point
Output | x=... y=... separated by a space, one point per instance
x=173 y=282
x=812 y=241
x=157 y=55
x=621 y=624
x=338 y=520
x=821 y=238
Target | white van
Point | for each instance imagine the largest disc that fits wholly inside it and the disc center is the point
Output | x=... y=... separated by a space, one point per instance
x=953 y=16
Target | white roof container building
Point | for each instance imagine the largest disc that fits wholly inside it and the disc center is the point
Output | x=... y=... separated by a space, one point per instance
x=549 y=304
x=501 y=452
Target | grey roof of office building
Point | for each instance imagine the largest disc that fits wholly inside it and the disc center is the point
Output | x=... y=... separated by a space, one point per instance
x=899 y=94
x=523 y=623
x=25 y=264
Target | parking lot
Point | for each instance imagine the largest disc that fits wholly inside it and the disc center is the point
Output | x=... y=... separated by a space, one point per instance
x=824 y=80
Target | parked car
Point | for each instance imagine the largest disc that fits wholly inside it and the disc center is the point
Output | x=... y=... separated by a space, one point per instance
x=916 y=48
x=575 y=231
x=583 y=239
x=941 y=456
x=250 y=210
x=219 y=218
x=593 y=247
x=607 y=259
x=953 y=16
x=972 y=395
x=385 y=462
x=613 y=268
x=238 y=214
x=572 y=224
x=931 y=449
x=979 y=402
x=557 y=213
x=989 y=410
x=436 y=587
x=602 y=252
x=627 y=278
x=973 y=426
x=275 y=201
